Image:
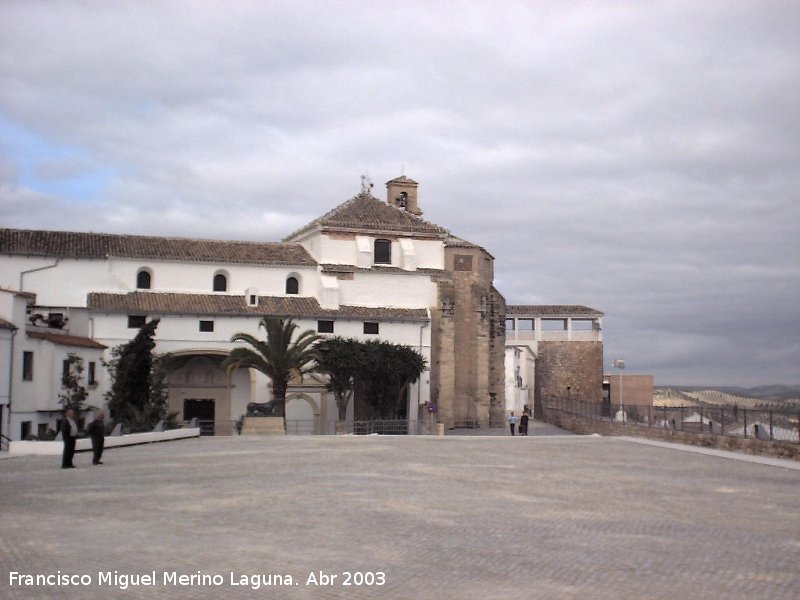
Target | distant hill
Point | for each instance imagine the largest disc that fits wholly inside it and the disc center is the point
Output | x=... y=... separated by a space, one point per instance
x=743 y=397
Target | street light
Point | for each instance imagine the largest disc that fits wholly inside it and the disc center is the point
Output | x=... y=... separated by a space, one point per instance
x=620 y=364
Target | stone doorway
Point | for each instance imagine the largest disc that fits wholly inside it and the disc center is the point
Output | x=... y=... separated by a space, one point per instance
x=203 y=410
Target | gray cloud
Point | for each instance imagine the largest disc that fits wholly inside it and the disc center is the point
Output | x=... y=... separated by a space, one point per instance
x=638 y=158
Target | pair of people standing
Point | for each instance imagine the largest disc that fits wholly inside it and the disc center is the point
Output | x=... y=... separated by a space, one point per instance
x=523 y=423
x=69 y=433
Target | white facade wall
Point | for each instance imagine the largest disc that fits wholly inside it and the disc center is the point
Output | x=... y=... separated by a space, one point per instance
x=358 y=251
x=386 y=289
x=180 y=334
x=67 y=282
x=34 y=400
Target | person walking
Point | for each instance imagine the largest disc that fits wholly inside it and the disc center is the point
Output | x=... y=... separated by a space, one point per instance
x=523 y=424
x=97 y=431
x=69 y=432
x=512 y=421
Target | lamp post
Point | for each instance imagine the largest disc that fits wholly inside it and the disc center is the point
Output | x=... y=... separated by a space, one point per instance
x=620 y=364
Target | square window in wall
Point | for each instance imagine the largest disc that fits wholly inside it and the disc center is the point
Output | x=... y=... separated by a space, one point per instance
x=325 y=326
x=136 y=321
x=27 y=366
x=509 y=324
x=370 y=328
x=207 y=326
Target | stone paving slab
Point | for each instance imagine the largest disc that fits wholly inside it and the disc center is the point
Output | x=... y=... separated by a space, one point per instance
x=425 y=517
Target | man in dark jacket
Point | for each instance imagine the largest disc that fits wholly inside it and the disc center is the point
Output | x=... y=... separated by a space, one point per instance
x=69 y=433
x=97 y=431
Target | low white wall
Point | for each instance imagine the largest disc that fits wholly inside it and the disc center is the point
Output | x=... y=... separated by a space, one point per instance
x=55 y=448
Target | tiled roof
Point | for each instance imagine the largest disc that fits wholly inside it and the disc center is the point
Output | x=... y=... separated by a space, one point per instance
x=551 y=310
x=331 y=268
x=225 y=305
x=366 y=213
x=66 y=340
x=7 y=325
x=68 y=244
x=402 y=179
x=27 y=295
x=456 y=242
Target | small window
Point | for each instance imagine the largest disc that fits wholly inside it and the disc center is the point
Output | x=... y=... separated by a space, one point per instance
x=371 y=328
x=583 y=325
x=207 y=326
x=383 y=252
x=509 y=324
x=27 y=366
x=64 y=372
x=91 y=376
x=325 y=326
x=136 y=321
x=253 y=300
x=292 y=286
x=143 y=280
x=220 y=283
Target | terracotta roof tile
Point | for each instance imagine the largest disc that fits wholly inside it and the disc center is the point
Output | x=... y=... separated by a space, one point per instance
x=366 y=213
x=66 y=340
x=552 y=310
x=100 y=245
x=331 y=268
x=227 y=305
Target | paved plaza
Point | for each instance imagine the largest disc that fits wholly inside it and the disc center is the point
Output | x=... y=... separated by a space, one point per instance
x=547 y=516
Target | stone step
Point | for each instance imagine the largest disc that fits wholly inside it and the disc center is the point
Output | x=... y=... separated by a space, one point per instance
x=263 y=426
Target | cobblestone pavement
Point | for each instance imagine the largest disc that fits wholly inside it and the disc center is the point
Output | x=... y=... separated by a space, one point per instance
x=454 y=517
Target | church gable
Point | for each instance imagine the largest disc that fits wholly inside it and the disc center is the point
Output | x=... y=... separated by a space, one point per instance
x=365 y=213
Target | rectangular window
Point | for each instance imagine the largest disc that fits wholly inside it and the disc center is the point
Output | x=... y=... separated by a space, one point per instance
x=64 y=372
x=27 y=366
x=207 y=326
x=582 y=324
x=136 y=321
x=383 y=252
x=91 y=376
x=554 y=324
x=371 y=328
x=526 y=324
x=325 y=326
x=509 y=324
x=462 y=262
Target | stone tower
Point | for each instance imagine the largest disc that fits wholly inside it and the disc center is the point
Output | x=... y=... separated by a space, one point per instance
x=402 y=193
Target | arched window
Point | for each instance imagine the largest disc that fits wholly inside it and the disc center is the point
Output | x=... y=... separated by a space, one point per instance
x=292 y=285
x=383 y=252
x=143 y=279
x=220 y=283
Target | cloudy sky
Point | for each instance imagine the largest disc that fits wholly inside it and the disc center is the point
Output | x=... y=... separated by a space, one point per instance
x=641 y=158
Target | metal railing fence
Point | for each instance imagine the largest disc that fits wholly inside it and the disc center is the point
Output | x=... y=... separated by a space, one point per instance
x=770 y=423
x=318 y=427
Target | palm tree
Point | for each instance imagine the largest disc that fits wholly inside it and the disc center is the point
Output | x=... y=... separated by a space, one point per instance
x=278 y=357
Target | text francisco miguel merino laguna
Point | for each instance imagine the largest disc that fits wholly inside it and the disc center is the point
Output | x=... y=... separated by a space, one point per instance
x=123 y=581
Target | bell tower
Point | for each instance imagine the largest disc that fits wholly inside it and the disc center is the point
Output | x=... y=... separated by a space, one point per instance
x=402 y=193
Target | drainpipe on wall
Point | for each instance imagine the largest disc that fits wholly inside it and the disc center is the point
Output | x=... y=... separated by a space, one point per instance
x=23 y=273
x=10 y=383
